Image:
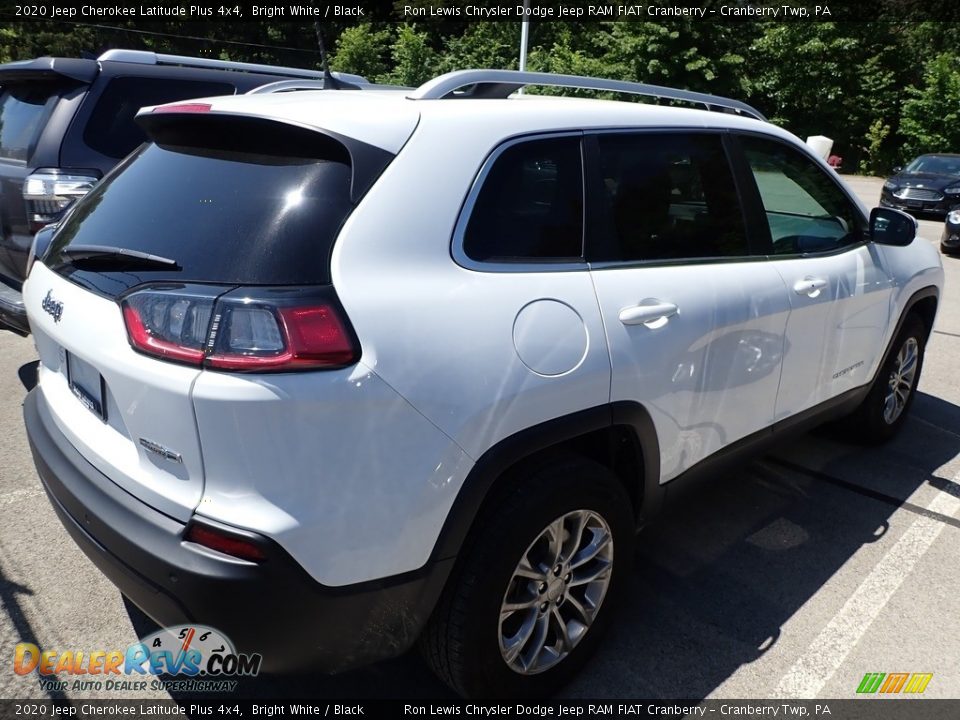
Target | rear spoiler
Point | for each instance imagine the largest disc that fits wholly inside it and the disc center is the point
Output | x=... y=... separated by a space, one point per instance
x=192 y=124
x=49 y=68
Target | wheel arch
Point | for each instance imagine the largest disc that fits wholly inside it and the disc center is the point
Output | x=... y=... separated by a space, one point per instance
x=924 y=303
x=619 y=435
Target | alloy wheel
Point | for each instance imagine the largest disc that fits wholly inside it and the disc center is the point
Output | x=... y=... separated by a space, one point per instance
x=555 y=592
x=900 y=382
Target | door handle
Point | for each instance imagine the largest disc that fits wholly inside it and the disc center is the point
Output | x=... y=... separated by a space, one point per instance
x=809 y=286
x=648 y=314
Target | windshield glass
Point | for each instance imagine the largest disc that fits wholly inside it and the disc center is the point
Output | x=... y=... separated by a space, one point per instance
x=940 y=164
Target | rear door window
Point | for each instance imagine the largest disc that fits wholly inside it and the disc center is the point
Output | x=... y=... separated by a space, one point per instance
x=111 y=129
x=668 y=196
x=24 y=109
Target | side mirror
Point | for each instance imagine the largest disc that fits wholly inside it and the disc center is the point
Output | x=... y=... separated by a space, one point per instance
x=897 y=168
x=892 y=227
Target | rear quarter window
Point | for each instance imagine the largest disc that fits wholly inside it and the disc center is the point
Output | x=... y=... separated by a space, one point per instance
x=111 y=129
x=530 y=204
x=23 y=111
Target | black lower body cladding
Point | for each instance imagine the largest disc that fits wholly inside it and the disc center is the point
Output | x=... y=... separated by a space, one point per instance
x=273 y=608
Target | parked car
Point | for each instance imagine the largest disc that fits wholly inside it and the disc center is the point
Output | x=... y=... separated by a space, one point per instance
x=64 y=122
x=336 y=372
x=950 y=239
x=928 y=184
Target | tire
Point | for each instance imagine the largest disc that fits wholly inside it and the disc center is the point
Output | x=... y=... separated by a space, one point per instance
x=465 y=643
x=876 y=420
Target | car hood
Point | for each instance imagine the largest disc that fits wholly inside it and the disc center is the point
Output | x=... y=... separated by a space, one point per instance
x=934 y=181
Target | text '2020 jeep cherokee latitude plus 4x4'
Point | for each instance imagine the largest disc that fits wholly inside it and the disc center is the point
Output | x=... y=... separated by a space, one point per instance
x=361 y=368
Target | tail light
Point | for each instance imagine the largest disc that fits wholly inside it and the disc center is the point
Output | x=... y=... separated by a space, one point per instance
x=48 y=192
x=241 y=330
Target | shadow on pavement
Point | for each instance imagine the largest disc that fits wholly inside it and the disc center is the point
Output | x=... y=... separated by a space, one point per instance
x=9 y=592
x=717 y=579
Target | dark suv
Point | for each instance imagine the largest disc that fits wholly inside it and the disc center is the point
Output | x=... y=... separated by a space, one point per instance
x=64 y=122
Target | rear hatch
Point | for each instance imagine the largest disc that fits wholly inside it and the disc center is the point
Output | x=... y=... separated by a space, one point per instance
x=219 y=210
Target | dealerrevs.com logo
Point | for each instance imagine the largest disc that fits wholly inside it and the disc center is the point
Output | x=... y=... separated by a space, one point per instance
x=197 y=657
x=894 y=683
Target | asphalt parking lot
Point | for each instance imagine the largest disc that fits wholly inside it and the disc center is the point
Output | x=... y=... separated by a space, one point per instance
x=790 y=578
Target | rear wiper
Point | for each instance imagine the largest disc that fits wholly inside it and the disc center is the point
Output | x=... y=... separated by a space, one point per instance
x=107 y=255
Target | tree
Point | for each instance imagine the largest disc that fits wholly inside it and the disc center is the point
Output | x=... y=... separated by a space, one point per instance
x=414 y=59
x=931 y=115
x=834 y=79
x=363 y=50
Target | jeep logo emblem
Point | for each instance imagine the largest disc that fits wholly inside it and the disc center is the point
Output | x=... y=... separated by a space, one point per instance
x=52 y=307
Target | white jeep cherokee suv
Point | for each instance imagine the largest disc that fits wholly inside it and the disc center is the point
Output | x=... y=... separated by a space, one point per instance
x=334 y=371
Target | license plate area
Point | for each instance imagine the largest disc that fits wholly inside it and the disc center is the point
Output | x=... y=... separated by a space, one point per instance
x=914 y=203
x=86 y=383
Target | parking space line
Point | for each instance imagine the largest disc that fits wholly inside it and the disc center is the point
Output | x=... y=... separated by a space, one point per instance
x=811 y=672
x=868 y=492
x=944 y=332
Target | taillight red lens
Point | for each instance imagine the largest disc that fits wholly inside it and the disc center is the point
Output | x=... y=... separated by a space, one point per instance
x=246 y=330
x=317 y=334
x=224 y=542
x=170 y=322
x=143 y=339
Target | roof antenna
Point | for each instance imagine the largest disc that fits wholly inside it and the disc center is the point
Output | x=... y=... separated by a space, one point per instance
x=329 y=81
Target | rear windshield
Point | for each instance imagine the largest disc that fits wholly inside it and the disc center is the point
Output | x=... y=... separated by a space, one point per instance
x=224 y=216
x=23 y=110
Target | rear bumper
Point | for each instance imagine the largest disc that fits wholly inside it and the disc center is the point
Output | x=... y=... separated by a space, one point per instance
x=13 y=315
x=274 y=607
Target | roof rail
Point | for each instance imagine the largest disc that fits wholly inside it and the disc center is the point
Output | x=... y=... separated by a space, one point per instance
x=290 y=85
x=497 y=84
x=287 y=85
x=146 y=57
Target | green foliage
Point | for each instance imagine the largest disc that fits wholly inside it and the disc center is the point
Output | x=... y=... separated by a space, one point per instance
x=363 y=50
x=413 y=58
x=876 y=161
x=808 y=72
x=9 y=39
x=686 y=54
x=21 y=41
x=856 y=82
x=931 y=115
x=834 y=79
x=481 y=45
